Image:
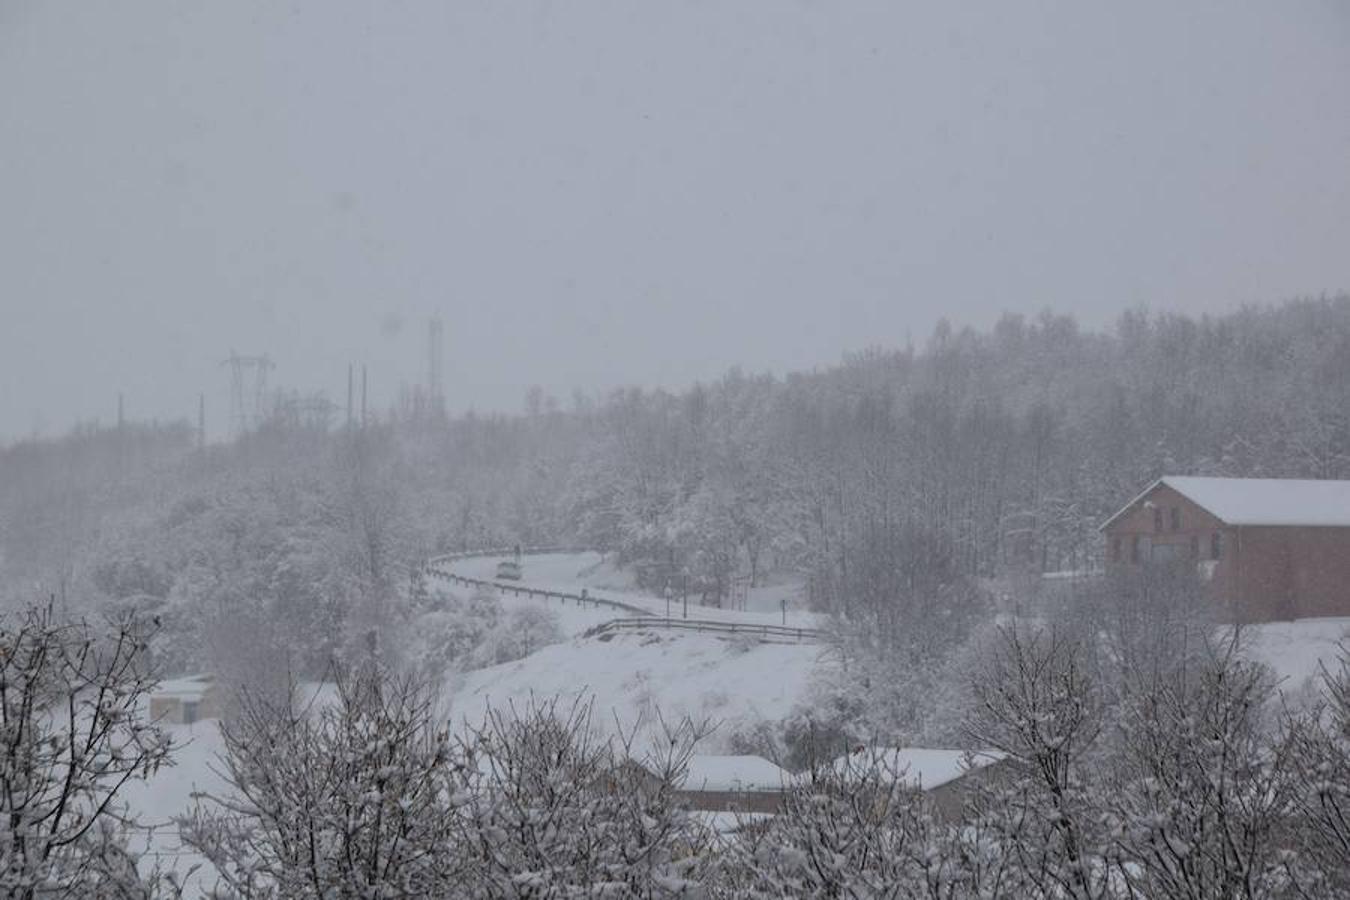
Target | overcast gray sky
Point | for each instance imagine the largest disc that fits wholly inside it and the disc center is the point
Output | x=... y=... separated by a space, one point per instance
x=599 y=193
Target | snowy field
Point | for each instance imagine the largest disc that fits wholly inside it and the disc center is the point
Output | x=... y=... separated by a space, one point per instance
x=1295 y=649
x=169 y=794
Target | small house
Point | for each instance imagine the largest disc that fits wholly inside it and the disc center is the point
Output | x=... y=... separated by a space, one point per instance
x=1269 y=548
x=182 y=701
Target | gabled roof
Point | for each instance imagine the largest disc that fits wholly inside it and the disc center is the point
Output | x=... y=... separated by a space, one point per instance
x=1260 y=501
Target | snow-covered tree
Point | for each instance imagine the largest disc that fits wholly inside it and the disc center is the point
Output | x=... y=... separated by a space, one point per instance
x=1198 y=797
x=557 y=812
x=1037 y=702
x=1316 y=748
x=354 y=798
x=74 y=731
x=859 y=833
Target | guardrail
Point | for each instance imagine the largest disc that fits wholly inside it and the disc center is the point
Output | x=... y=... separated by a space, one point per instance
x=520 y=590
x=504 y=551
x=637 y=618
x=439 y=566
x=771 y=634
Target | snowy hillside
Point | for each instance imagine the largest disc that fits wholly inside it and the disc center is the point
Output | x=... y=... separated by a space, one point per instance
x=632 y=676
x=731 y=680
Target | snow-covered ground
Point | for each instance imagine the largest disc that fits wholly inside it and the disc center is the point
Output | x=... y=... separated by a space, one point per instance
x=1295 y=649
x=169 y=794
x=570 y=572
x=632 y=676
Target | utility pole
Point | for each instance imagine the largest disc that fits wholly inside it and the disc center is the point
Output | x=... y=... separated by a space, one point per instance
x=201 y=421
x=349 y=396
x=121 y=434
x=435 y=368
x=363 y=397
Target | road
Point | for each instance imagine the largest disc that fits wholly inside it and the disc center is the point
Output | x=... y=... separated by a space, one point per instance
x=572 y=572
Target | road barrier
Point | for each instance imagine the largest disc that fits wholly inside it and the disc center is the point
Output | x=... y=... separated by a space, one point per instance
x=769 y=634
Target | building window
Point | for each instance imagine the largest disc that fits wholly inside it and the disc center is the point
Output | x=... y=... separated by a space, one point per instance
x=1134 y=549
x=1164 y=552
x=1176 y=518
x=1216 y=545
x=1157 y=518
x=1195 y=546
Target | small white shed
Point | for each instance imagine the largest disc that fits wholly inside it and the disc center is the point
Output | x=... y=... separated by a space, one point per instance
x=182 y=701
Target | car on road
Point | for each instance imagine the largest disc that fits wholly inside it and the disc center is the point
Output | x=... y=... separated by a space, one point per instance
x=509 y=570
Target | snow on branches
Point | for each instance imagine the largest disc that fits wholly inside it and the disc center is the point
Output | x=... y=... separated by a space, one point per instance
x=74 y=732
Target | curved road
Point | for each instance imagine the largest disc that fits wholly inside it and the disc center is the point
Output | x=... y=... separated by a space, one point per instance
x=571 y=572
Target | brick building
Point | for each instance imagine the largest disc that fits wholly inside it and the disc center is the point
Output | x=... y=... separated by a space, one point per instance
x=1269 y=548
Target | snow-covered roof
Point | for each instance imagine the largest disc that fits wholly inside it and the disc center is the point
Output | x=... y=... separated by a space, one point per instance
x=192 y=687
x=728 y=823
x=733 y=773
x=1260 y=501
x=916 y=767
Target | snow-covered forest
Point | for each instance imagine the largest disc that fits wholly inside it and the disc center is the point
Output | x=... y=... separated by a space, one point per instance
x=972 y=456
x=911 y=501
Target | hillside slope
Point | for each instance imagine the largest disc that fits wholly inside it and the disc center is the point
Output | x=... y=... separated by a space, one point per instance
x=634 y=676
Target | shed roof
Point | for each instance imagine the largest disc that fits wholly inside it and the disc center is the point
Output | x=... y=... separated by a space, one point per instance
x=918 y=767
x=733 y=773
x=1260 y=501
x=191 y=687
